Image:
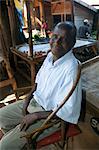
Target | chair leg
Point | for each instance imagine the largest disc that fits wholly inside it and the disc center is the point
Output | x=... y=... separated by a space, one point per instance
x=64 y=129
x=14 y=86
x=66 y=147
x=58 y=146
x=72 y=140
x=66 y=144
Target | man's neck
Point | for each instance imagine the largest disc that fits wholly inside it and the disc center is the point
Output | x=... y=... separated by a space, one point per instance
x=55 y=58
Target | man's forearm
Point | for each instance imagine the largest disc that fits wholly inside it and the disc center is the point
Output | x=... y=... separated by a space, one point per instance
x=44 y=114
x=30 y=95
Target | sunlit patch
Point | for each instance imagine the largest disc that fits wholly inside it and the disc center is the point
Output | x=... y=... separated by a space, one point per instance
x=11 y=98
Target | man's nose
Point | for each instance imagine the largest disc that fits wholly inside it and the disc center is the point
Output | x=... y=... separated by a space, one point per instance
x=57 y=39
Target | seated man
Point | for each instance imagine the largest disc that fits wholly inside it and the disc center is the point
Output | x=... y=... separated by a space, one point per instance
x=54 y=81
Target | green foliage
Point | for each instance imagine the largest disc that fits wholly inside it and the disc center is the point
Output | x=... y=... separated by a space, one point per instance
x=94 y=35
x=36 y=37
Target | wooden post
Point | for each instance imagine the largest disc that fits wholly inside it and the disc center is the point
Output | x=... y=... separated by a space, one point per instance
x=12 y=20
x=30 y=52
x=64 y=10
x=65 y=7
x=42 y=14
x=72 y=11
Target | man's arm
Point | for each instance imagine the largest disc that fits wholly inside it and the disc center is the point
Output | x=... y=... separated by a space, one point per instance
x=27 y=99
x=30 y=118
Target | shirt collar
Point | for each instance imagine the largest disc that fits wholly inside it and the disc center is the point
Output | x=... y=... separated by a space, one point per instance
x=60 y=60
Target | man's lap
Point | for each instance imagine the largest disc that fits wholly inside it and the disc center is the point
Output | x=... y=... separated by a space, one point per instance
x=13 y=136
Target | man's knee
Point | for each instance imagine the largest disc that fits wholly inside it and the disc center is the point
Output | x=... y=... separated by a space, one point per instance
x=4 y=120
x=4 y=145
x=9 y=113
x=3 y=117
x=9 y=142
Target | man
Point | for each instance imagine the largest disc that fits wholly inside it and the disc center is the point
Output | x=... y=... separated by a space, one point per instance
x=84 y=31
x=54 y=80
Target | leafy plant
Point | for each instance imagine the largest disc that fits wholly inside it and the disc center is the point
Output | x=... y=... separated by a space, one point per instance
x=94 y=35
x=36 y=37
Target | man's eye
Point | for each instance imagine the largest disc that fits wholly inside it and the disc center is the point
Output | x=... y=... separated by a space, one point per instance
x=61 y=39
x=54 y=36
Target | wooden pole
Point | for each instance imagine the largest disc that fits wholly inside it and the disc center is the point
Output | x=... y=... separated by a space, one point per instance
x=42 y=14
x=12 y=20
x=72 y=11
x=64 y=10
x=30 y=52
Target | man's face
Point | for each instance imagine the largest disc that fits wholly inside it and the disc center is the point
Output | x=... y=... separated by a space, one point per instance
x=58 y=42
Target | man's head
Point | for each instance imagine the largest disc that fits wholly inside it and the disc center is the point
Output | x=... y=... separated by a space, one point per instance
x=63 y=38
x=86 y=22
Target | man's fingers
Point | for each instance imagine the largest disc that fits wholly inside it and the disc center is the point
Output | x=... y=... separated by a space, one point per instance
x=24 y=112
x=25 y=127
x=22 y=126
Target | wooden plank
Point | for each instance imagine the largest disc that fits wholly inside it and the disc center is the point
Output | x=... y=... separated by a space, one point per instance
x=91 y=100
x=42 y=14
x=6 y=82
x=90 y=62
x=61 y=8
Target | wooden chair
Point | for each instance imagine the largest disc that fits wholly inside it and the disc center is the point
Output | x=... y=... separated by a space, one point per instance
x=66 y=131
x=6 y=64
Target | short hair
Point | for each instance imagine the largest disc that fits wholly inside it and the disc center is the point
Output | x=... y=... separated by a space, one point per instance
x=86 y=20
x=71 y=31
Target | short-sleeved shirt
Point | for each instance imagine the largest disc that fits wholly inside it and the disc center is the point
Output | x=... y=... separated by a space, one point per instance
x=54 y=81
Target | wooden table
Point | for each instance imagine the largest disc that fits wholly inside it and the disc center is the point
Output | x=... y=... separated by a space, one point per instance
x=21 y=51
x=83 y=43
x=90 y=84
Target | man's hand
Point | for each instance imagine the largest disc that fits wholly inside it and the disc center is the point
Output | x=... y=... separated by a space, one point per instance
x=30 y=118
x=27 y=121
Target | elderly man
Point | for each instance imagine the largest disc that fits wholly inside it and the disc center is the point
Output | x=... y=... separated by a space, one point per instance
x=54 y=81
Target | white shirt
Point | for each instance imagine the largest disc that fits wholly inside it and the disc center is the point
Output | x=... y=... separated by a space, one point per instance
x=54 y=81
